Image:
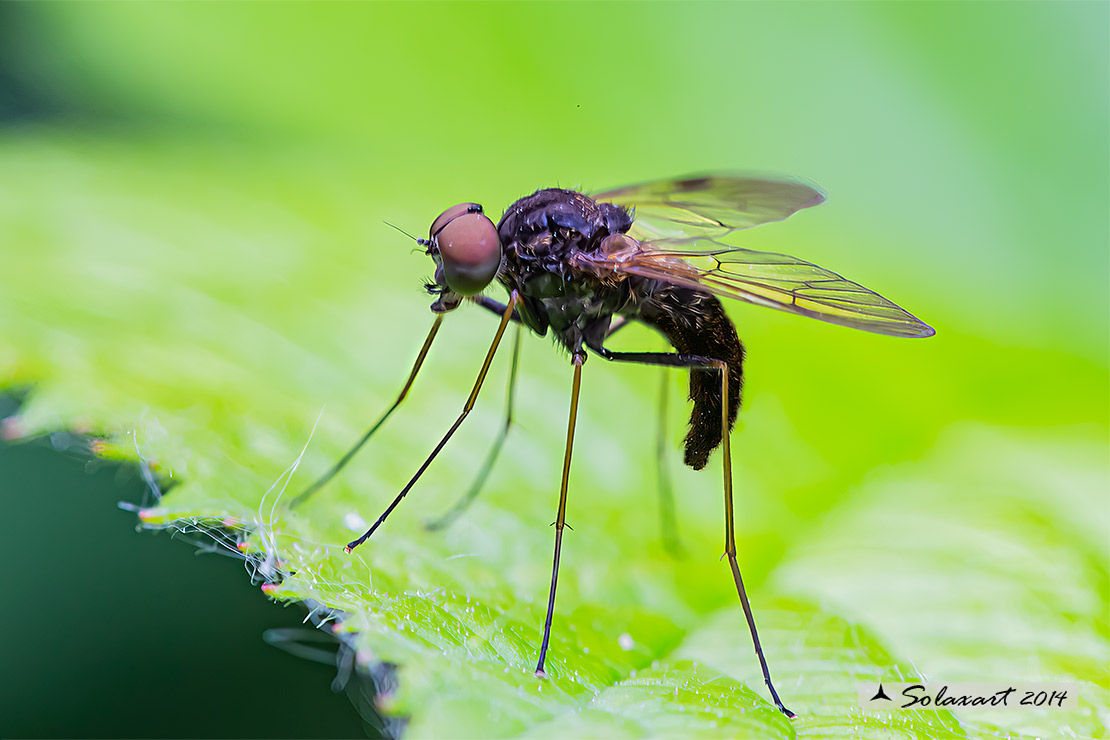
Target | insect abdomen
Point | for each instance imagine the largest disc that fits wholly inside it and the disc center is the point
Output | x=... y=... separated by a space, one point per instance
x=695 y=323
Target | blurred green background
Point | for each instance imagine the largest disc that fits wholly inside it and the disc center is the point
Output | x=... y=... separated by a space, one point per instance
x=194 y=264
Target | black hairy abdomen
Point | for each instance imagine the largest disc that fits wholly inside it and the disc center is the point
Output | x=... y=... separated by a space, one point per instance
x=695 y=323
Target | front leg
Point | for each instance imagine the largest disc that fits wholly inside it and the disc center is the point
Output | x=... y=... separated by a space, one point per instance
x=496 y=307
x=491 y=459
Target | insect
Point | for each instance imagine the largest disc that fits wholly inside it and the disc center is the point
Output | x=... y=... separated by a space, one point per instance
x=582 y=267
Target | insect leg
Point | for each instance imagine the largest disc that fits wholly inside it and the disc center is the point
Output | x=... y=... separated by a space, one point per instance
x=561 y=517
x=730 y=543
x=505 y=318
x=476 y=487
x=677 y=359
x=496 y=307
x=322 y=480
x=668 y=524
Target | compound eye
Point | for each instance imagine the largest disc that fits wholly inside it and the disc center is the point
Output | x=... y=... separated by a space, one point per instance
x=470 y=250
x=450 y=215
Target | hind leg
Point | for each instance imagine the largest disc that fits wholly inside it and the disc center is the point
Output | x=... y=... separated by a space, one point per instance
x=678 y=359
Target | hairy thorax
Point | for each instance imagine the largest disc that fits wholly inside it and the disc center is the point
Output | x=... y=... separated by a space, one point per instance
x=541 y=234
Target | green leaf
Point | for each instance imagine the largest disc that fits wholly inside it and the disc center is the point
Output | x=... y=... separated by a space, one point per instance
x=235 y=319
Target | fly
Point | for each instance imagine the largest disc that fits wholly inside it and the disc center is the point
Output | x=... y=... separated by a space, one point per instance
x=582 y=267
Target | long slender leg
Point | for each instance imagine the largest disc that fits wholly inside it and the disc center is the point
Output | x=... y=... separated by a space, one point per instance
x=480 y=480
x=561 y=517
x=493 y=306
x=322 y=480
x=505 y=318
x=676 y=359
x=730 y=543
x=668 y=524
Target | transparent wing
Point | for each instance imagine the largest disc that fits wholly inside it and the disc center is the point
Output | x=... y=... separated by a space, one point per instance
x=711 y=205
x=763 y=278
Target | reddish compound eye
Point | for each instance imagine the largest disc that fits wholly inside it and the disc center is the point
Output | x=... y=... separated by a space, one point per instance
x=469 y=248
x=450 y=215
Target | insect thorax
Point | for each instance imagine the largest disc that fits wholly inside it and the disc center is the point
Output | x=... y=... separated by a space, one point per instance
x=540 y=234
